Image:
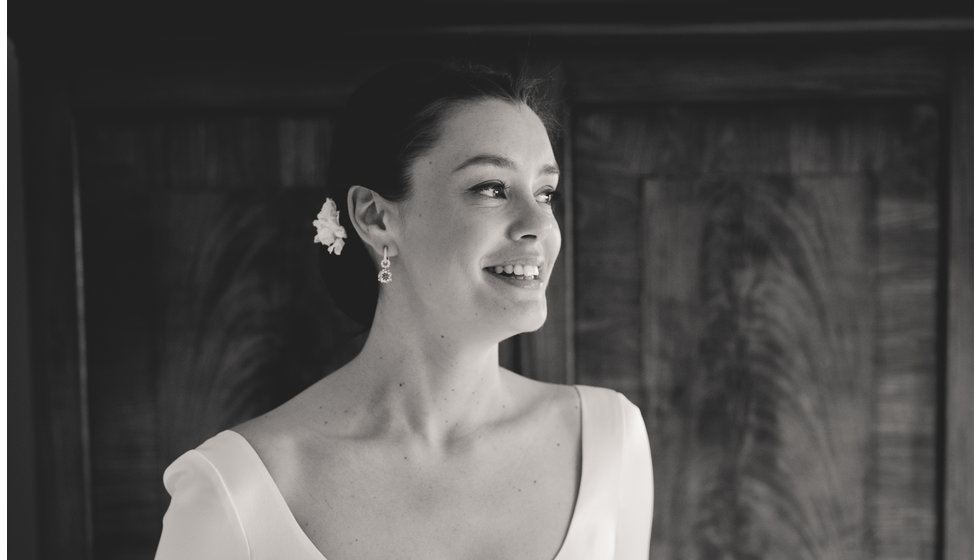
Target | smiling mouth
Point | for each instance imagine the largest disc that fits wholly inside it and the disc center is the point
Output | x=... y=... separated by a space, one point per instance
x=518 y=272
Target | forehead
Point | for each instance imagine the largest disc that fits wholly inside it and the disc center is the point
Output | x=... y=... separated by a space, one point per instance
x=494 y=127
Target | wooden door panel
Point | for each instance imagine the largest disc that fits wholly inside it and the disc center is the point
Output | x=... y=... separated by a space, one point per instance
x=776 y=378
x=785 y=260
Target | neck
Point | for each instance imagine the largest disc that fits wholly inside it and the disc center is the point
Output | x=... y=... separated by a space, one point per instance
x=428 y=385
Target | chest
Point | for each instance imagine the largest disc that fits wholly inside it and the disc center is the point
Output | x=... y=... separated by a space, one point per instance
x=499 y=500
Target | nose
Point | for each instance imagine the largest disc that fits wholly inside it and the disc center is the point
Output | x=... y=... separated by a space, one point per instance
x=532 y=220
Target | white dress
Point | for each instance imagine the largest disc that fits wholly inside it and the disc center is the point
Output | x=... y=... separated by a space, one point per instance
x=225 y=505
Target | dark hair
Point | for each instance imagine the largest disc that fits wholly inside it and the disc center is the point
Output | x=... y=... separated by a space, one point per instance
x=389 y=121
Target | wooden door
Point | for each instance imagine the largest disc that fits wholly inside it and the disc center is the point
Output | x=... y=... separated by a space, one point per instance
x=784 y=350
x=757 y=266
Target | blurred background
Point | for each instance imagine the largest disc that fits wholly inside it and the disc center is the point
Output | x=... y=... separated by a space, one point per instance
x=768 y=247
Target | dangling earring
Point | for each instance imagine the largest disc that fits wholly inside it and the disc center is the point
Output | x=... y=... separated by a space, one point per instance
x=385 y=275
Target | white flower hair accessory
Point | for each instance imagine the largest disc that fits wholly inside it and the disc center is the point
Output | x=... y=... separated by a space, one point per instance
x=329 y=232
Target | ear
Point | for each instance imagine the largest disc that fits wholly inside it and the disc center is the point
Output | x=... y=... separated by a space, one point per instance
x=372 y=216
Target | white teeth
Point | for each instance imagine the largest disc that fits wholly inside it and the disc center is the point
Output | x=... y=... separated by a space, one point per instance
x=519 y=270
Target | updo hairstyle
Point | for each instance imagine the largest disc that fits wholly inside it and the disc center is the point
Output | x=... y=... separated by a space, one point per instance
x=388 y=122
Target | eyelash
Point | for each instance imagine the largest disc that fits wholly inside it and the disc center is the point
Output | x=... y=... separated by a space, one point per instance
x=553 y=194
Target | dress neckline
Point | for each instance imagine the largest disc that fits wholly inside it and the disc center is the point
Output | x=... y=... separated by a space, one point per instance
x=280 y=501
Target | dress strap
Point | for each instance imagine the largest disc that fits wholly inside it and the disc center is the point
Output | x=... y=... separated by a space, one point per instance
x=270 y=526
x=592 y=532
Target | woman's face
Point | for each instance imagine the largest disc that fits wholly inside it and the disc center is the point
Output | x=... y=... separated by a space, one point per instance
x=478 y=237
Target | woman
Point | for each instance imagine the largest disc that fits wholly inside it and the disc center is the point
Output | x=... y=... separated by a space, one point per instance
x=423 y=446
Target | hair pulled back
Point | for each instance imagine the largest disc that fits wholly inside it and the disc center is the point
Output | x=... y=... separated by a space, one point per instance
x=388 y=122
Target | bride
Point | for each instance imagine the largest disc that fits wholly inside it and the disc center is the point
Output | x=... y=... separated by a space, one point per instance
x=440 y=235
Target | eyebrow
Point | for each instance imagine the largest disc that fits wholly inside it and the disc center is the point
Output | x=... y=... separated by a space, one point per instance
x=500 y=161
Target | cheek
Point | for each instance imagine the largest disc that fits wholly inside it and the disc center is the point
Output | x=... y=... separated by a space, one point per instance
x=460 y=244
x=556 y=235
x=441 y=240
x=553 y=241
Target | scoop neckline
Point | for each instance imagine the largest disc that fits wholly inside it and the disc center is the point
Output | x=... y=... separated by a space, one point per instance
x=297 y=529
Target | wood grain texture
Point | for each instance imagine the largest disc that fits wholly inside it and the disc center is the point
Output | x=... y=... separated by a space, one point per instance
x=118 y=281
x=195 y=151
x=55 y=338
x=246 y=322
x=958 y=500
x=759 y=353
x=906 y=227
x=768 y=74
x=205 y=301
x=607 y=260
x=293 y=81
x=775 y=374
x=220 y=84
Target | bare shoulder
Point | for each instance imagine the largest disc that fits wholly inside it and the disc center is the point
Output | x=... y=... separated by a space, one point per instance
x=270 y=434
x=261 y=429
x=538 y=388
x=279 y=432
x=554 y=400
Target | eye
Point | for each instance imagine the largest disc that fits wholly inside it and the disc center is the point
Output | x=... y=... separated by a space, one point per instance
x=491 y=189
x=549 y=196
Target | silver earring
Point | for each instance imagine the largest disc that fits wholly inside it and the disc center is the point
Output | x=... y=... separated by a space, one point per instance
x=385 y=275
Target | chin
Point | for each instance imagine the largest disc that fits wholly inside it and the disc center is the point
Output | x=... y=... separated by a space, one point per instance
x=530 y=321
x=537 y=323
x=502 y=320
